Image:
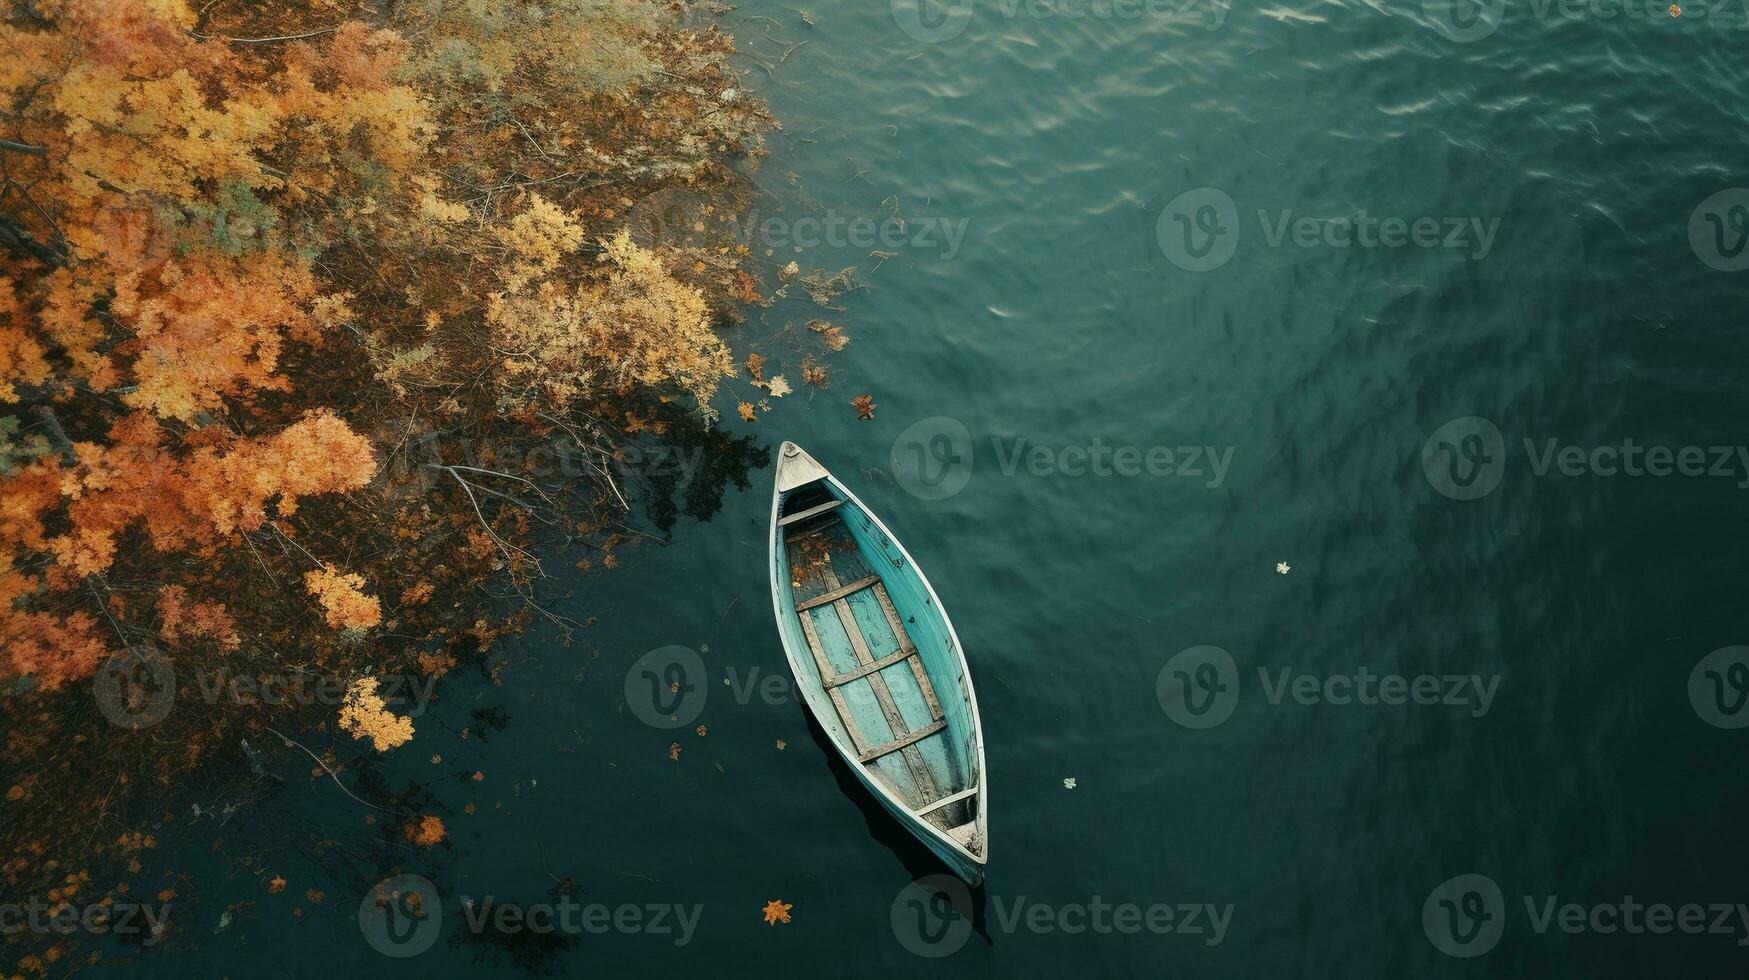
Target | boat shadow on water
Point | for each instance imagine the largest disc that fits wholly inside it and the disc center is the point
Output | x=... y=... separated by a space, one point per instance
x=885 y=829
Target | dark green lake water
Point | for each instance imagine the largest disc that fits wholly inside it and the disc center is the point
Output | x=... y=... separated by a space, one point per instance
x=1104 y=247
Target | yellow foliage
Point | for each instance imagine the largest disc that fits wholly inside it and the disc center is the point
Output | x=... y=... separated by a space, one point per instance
x=641 y=325
x=364 y=715
x=579 y=48
x=536 y=241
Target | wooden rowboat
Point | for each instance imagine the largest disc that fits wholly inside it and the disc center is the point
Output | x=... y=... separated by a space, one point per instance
x=877 y=662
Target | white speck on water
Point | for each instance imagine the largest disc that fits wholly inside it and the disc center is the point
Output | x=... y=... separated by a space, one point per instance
x=1282 y=567
x=1069 y=783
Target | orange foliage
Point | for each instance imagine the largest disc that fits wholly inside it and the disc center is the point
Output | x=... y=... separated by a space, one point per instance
x=52 y=649
x=427 y=831
x=21 y=357
x=199 y=498
x=345 y=604
x=218 y=257
x=182 y=618
x=210 y=327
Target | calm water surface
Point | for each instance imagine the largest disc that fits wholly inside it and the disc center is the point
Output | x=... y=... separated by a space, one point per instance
x=1131 y=269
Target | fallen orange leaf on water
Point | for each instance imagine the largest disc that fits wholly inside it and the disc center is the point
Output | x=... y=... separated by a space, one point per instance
x=865 y=406
x=776 y=911
x=674 y=751
x=427 y=831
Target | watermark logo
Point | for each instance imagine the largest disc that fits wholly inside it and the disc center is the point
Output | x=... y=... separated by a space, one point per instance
x=1199 y=229
x=932 y=21
x=135 y=688
x=569 y=917
x=1718 y=230
x=935 y=21
x=1718 y=687
x=666 y=687
x=684 y=218
x=672 y=217
x=401 y=916
x=1465 y=458
x=932 y=916
x=1464 y=916
x=1199 y=687
x=932 y=459
x=1464 y=21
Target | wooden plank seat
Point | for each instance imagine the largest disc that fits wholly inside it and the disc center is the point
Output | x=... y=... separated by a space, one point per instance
x=964 y=794
x=904 y=741
x=838 y=593
x=810 y=512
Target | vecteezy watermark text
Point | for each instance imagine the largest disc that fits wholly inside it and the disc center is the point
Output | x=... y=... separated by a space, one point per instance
x=1199 y=688
x=1465 y=459
x=1200 y=230
x=934 y=21
x=932 y=917
x=1466 y=915
x=672 y=216
x=45 y=918
x=1465 y=21
x=137 y=688
x=668 y=687
x=403 y=916
x=569 y=917
x=926 y=233
x=934 y=458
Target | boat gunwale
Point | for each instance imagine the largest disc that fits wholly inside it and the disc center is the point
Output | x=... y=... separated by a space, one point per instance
x=980 y=821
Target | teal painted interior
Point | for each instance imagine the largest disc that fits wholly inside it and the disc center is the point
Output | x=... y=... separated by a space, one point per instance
x=850 y=546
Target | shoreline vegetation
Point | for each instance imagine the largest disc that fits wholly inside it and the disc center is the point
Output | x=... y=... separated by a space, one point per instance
x=319 y=323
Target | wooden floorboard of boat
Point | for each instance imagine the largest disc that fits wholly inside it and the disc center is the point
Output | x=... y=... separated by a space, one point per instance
x=857 y=740
x=904 y=638
x=921 y=777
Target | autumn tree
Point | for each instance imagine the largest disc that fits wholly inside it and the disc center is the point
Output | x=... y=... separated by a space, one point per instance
x=245 y=252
